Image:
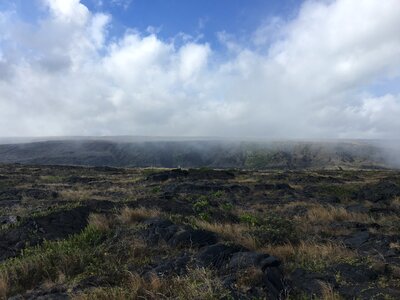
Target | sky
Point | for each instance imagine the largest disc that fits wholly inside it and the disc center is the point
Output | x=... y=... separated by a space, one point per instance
x=277 y=69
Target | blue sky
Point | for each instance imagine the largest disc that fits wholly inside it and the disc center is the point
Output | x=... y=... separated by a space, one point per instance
x=274 y=69
x=200 y=19
x=195 y=17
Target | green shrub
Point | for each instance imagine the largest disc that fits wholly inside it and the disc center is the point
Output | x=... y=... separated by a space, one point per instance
x=275 y=230
x=46 y=262
x=250 y=219
x=270 y=229
x=201 y=205
x=227 y=206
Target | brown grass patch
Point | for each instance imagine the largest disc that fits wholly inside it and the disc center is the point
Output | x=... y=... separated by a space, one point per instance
x=310 y=255
x=327 y=214
x=231 y=232
x=328 y=293
x=3 y=287
x=249 y=277
x=197 y=284
x=395 y=246
x=395 y=203
x=134 y=215
x=100 y=222
x=76 y=195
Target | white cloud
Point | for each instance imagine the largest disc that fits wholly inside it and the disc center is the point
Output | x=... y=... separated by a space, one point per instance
x=306 y=77
x=68 y=10
x=193 y=59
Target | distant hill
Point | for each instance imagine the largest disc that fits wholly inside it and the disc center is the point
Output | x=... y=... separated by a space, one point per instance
x=199 y=153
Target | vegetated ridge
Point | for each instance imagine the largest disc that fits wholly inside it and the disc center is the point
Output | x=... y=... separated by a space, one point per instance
x=201 y=153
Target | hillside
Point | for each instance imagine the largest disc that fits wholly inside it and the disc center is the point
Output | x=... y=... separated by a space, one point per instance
x=201 y=153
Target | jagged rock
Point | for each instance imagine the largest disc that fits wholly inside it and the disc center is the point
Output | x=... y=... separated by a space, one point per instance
x=56 y=225
x=354 y=274
x=175 y=266
x=382 y=191
x=171 y=174
x=6 y=220
x=11 y=194
x=395 y=271
x=92 y=281
x=367 y=292
x=79 y=179
x=204 y=188
x=201 y=174
x=58 y=292
x=245 y=260
x=357 y=208
x=309 y=283
x=193 y=174
x=357 y=239
x=159 y=229
x=274 y=275
x=40 y=194
x=193 y=238
x=270 y=187
x=217 y=255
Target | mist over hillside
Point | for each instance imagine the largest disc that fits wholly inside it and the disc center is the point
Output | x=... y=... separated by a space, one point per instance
x=192 y=152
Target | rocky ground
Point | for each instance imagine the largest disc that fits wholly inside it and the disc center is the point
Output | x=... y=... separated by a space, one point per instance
x=108 y=233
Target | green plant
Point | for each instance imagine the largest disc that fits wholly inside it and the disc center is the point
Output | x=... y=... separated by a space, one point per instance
x=46 y=262
x=270 y=229
x=227 y=206
x=275 y=230
x=201 y=205
x=205 y=216
x=249 y=219
x=218 y=194
x=156 y=189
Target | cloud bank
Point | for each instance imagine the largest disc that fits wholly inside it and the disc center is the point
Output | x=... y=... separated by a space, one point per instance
x=313 y=76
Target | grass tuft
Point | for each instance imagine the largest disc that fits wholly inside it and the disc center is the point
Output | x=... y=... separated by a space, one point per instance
x=134 y=215
x=328 y=293
x=99 y=222
x=46 y=262
x=197 y=284
x=309 y=255
x=326 y=214
x=239 y=233
x=4 y=288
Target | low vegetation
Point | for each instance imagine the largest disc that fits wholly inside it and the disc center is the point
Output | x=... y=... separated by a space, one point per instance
x=90 y=233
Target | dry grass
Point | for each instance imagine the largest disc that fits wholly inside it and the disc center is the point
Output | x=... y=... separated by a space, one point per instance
x=249 y=277
x=328 y=293
x=134 y=215
x=197 y=284
x=318 y=219
x=396 y=203
x=3 y=287
x=115 y=293
x=99 y=222
x=327 y=214
x=140 y=254
x=310 y=255
x=391 y=223
x=237 y=233
x=294 y=204
x=76 y=195
x=395 y=246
